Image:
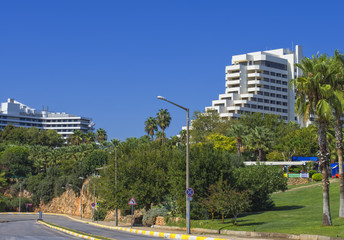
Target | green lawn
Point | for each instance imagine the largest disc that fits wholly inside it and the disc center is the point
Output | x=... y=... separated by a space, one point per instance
x=296 y=212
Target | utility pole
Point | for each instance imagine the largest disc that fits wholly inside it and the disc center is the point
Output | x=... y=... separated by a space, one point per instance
x=20 y=195
x=116 y=209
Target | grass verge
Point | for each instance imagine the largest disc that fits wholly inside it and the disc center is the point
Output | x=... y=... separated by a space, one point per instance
x=296 y=212
x=75 y=231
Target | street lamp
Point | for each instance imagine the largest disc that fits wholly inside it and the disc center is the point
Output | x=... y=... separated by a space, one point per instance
x=187 y=160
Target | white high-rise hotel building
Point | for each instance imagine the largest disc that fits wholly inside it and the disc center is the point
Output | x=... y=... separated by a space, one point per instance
x=259 y=82
x=19 y=115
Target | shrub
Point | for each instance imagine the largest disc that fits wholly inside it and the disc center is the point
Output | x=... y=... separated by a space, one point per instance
x=312 y=172
x=150 y=216
x=317 y=177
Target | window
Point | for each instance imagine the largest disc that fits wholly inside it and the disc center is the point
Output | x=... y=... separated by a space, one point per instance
x=266 y=94
x=272 y=109
x=260 y=100
x=284 y=117
x=278 y=89
x=253 y=99
x=266 y=80
x=260 y=107
x=285 y=110
x=278 y=81
x=279 y=110
x=278 y=95
x=266 y=86
x=271 y=64
x=273 y=102
x=284 y=83
x=266 y=108
x=247 y=105
x=285 y=97
x=272 y=80
x=253 y=106
x=278 y=103
x=284 y=104
x=272 y=95
x=260 y=93
x=266 y=101
x=278 y=75
x=284 y=76
x=272 y=87
x=266 y=72
x=272 y=74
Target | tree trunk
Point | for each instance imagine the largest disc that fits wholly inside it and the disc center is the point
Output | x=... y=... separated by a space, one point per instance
x=235 y=220
x=259 y=154
x=339 y=145
x=223 y=219
x=238 y=146
x=323 y=162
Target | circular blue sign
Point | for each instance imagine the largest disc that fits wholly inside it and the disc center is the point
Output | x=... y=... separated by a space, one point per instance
x=189 y=192
x=93 y=204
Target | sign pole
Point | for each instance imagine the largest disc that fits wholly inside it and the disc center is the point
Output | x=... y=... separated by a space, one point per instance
x=132 y=214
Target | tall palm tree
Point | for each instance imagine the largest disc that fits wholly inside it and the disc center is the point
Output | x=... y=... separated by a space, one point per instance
x=89 y=137
x=260 y=139
x=238 y=131
x=313 y=98
x=101 y=135
x=163 y=119
x=151 y=127
x=338 y=107
x=77 y=137
x=160 y=136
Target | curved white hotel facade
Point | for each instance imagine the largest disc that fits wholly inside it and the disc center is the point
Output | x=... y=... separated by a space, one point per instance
x=19 y=115
x=259 y=82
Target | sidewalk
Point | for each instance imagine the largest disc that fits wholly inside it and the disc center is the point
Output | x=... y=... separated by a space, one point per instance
x=204 y=233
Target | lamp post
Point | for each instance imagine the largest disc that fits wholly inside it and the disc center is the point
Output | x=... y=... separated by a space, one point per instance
x=116 y=209
x=187 y=161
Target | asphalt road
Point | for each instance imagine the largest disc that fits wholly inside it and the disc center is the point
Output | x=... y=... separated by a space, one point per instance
x=13 y=227
x=26 y=227
x=87 y=228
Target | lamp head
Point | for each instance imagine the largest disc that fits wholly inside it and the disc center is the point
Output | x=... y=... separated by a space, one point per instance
x=161 y=98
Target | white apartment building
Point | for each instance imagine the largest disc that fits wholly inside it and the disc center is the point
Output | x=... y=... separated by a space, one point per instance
x=20 y=115
x=259 y=82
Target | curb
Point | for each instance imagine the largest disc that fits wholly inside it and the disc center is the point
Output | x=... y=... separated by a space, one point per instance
x=68 y=231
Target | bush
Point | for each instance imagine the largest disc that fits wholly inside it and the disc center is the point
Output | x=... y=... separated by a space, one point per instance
x=317 y=177
x=311 y=173
x=150 y=216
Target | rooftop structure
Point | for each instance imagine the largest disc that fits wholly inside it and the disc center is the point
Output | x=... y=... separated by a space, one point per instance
x=19 y=115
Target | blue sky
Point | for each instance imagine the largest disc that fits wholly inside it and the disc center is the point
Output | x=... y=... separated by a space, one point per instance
x=108 y=60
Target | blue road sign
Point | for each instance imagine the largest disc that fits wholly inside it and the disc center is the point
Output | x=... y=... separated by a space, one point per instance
x=93 y=204
x=98 y=204
x=189 y=192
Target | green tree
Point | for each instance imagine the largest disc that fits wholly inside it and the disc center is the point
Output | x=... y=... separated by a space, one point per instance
x=338 y=106
x=15 y=161
x=101 y=135
x=260 y=138
x=163 y=119
x=151 y=127
x=207 y=123
x=314 y=93
x=238 y=131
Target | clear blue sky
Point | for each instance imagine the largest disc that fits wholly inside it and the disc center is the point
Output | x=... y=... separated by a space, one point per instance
x=108 y=60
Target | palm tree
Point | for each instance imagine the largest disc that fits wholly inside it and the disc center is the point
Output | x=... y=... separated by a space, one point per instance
x=313 y=98
x=238 y=131
x=260 y=139
x=89 y=137
x=77 y=137
x=101 y=135
x=163 y=119
x=160 y=136
x=338 y=107
x=151 y=127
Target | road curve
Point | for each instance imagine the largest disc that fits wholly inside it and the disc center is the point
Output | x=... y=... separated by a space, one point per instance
x=25 y=227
